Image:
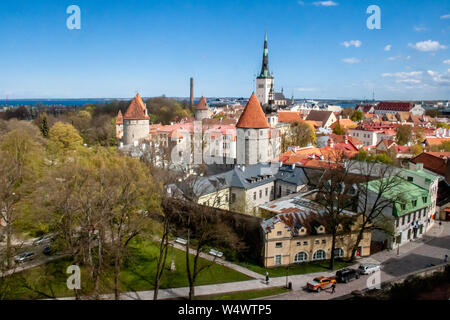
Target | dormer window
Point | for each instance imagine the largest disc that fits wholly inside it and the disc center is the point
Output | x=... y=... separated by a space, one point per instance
x=425 y=199
x=414 y=203
x=410 y=179
x=403 y=206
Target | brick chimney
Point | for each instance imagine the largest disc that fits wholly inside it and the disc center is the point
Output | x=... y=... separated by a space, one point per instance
x=191 y=102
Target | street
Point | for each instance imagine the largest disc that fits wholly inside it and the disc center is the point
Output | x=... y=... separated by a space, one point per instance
x=413 y=256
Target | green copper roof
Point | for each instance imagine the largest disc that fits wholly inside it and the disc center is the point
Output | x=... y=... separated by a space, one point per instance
x=407 y=196
x=421 y=173
x=265 y=63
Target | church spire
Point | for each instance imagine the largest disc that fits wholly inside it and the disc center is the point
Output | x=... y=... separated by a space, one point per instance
x=265 y=63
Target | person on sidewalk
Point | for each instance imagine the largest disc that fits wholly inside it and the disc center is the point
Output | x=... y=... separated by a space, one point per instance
x=267 y=277
x=333 y=288
x=446 y=258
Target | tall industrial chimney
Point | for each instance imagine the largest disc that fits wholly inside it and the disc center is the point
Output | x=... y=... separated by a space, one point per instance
x=192 y=93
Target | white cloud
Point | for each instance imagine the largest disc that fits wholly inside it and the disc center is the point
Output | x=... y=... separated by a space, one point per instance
x=355 y=43
x=420 y=29
x=440 y=78
x=351 y=60
x=428 y=45
x=388 y=48
x=402 y=74
x=446 y=61
x=306 y=89
x=447 y=16
x=413 y=81
x=325 y=3
x=300 y=3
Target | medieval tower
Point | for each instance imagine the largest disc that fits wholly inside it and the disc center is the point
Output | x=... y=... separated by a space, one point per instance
x=264 y=82
x=135 y=122
x=252 y=133
x=202 y=110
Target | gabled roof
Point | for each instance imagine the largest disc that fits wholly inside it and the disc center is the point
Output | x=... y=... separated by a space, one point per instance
x=253 y=115
x=436 y=141
x=202 y=104
x=318 y=115
x=344 y=123
x=119 y=119
x=136 y=110
x=433 y=161
x=395 y=106
x=289 y=116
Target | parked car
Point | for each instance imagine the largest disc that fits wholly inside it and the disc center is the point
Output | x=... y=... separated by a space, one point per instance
x=47 y=250
x=24 y=257
x=44 y=239
x=319 y=283
x=368 y=268
x=346 y=275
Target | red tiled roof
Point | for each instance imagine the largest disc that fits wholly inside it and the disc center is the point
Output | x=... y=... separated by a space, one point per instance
x=433 y=161
x=119 y=119
x=289 y=117
x=202 y=105
x=344 y=123
x=253 y=115
x=436 y=141
x=395 y=106
x=136 y=110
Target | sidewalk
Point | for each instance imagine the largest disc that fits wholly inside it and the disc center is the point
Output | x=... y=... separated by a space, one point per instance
x=220 y=261
x=434 y=232
x=298 y=281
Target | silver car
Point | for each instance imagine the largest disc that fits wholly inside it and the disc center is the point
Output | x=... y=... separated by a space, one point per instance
x=24 y=257
x=369 y=268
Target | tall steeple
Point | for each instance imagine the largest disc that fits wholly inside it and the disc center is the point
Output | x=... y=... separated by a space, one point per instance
x=265 y=73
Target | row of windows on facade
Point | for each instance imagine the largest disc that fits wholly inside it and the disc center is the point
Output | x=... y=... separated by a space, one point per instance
x=414 y=216
x=299 y=243
x=303 y=256
x=233 y=195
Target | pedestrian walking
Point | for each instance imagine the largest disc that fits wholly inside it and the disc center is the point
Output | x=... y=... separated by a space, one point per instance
x=267 y=277
x=333 y=288
x=446 y=258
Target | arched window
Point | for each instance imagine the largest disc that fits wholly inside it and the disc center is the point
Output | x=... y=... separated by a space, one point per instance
x=338 y=252
x=319 y=255
x=301 y=257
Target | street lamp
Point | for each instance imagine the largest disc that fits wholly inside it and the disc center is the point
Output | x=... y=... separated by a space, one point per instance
x=287 y=276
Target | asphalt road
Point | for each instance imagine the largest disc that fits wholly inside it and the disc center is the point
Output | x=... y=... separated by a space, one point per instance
x=392 y=266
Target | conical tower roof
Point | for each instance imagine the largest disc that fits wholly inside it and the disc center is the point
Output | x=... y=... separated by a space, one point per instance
x=202 y=104
x=253 y=115
x=136 y=110
x=119 y=119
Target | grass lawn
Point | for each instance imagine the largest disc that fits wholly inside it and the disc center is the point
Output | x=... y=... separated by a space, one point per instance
x=245 y=295
x=307 y=267
x=136 y=275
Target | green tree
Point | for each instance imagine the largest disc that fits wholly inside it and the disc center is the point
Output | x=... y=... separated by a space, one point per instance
x=404 y=134
x=339 y=130
x=301 y=134
x=357 y=116
x=416 y=149
x=64 y=137
x=20 y=164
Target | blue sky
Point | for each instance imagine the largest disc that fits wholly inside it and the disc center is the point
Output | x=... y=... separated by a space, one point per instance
x=317 y=49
